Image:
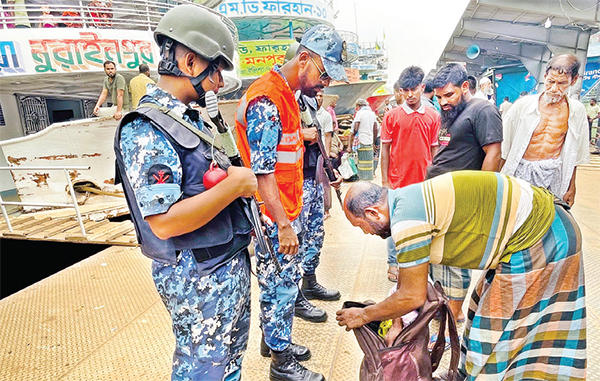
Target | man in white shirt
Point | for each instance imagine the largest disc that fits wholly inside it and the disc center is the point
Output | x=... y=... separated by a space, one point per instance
x=485 y=90
x=326 y=122
x=505 y=106
x=546 y=135
x=365 y=127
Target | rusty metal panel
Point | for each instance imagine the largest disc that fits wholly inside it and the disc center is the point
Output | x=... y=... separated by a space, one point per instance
x=87 y=142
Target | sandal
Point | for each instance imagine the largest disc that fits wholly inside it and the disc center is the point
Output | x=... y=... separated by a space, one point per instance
x=434 y=338
x=392 y=274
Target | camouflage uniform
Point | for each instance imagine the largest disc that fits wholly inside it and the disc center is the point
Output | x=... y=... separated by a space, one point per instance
x=209 y=301
x=278 y=292
x=210 y=314
x=312 y=218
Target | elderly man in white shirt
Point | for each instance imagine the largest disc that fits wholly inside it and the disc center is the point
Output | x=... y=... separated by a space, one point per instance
x=546 y=135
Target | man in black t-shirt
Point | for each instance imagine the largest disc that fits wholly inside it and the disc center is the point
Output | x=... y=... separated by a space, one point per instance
x=470 y=139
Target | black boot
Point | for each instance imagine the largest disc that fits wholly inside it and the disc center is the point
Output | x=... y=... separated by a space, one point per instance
x=306 y=311
x=301 y=353
x=285 y=367
x=313 y=290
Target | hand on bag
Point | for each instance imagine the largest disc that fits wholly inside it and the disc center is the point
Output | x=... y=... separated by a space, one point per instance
x=351 y=318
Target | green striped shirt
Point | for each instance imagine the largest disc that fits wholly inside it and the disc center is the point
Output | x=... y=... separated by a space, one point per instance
x=467 y=219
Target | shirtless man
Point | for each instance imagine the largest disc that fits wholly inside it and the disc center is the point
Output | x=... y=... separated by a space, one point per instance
x=546 y=135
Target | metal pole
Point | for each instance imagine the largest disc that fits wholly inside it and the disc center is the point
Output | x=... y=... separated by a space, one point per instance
x=148 y=17
x=5 y=214
x=75 y=205
x=83 y=14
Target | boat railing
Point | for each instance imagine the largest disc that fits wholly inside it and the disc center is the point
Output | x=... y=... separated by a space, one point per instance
x=101 y=14
x=66 y=170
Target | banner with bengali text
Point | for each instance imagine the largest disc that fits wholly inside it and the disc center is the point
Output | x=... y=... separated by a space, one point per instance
x=258 y=57
x=68 y=50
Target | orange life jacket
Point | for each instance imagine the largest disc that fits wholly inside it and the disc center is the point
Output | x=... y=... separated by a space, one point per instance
x=288 y=169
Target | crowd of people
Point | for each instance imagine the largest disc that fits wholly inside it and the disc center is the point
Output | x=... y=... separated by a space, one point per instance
x=524 y=161
x=464 y=186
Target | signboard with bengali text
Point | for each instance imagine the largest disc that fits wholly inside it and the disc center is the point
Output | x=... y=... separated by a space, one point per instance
x=68 y=50
x=258 y=57
x=316 y=9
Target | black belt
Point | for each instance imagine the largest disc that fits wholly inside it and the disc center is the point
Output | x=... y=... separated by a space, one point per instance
x=237 y=243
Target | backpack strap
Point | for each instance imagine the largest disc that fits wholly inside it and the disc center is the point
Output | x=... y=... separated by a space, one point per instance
x=446 y=317
x=436 y=304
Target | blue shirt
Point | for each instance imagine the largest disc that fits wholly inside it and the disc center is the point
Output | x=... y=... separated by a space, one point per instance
x=264 y=131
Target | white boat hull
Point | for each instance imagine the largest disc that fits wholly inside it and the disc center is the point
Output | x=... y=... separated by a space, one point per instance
x=349 y=94
x=86 y=142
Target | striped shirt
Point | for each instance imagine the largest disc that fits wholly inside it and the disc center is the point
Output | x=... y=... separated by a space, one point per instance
x=467 y=219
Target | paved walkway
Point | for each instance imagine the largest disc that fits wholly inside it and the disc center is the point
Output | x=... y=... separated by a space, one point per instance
x=101 y=318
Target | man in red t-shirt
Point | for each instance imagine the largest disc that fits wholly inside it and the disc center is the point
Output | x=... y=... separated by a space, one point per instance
x=409 y=140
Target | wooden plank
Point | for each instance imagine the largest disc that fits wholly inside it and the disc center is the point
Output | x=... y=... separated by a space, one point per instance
x=121 y=232
x=124 y=240
x=91 y=226
x=45 y=226
x=94 y=236
x=69 y=224
x=48 y=229
x=33 y=224
x=14 y=234
x=17 y=221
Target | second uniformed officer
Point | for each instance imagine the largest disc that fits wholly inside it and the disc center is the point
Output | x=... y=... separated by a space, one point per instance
x=270 y=141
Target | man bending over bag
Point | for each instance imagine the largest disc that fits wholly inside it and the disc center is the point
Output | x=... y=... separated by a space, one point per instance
x=527 y=314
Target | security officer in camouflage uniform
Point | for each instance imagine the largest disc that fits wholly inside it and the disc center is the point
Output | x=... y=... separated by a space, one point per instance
x=311 y=215
x=269 y=139
x=313 y=209
x=196 y=237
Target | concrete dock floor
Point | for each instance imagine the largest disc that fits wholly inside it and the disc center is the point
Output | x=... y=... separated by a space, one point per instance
x=101 y=319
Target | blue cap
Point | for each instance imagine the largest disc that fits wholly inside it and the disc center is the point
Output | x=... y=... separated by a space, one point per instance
x=328 y=44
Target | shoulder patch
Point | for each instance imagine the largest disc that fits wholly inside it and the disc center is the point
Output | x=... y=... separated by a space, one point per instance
x=160 y=174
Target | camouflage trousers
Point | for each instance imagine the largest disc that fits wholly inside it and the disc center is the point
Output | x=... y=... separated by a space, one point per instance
x=210 y=316
x=312 y=220
x=278 y=291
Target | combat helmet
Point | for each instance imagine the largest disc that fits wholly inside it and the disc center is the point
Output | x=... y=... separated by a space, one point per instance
x=206 y=32
x=202 y=30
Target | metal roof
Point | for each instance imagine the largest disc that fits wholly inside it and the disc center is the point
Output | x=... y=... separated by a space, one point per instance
x=513 y=33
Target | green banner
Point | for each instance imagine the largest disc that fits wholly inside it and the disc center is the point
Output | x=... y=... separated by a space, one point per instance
x=257 y=57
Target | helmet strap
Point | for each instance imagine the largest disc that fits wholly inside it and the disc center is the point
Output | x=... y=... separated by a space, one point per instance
x=168 y=66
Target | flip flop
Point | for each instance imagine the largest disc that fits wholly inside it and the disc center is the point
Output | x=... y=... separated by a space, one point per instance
x=434 y=338
x=392 y=275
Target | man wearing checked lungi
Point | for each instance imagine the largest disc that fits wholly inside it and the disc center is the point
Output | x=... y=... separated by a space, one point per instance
x=527 y=316
x=365 y=129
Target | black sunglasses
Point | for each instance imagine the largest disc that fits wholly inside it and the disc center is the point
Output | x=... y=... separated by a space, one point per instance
x=324 y=76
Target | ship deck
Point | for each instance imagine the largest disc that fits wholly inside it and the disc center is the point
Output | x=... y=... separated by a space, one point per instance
x=101 y=319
